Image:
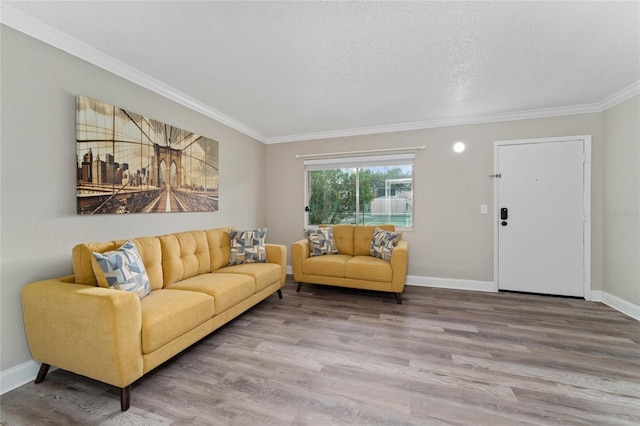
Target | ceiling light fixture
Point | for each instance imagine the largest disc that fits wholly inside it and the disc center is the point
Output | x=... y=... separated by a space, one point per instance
x=459 y=147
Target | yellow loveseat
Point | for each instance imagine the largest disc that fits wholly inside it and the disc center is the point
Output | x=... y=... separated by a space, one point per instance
x=353 y=265
x=114 y=336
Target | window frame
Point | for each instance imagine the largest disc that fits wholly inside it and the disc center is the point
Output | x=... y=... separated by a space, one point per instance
x=358 y=163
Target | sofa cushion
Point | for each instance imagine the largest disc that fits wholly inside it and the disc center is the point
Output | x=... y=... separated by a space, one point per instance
x=122 y=269
x=227 y=290
x=343 y=236
x=82 y=260
x=168 y=314
x=368 y=268
x=149 y=249
x=219 y=247
x=247 y=246
x=264 y=274
x=320 y=241
x=184 y=255
x=328 y=266
x=355 y=240
x=362 y=237
x=383 y=243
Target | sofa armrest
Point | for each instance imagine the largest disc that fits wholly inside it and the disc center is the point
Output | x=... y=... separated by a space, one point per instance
x=277 y=253
x=92 y=331
x=299 y=252
x=399 y=265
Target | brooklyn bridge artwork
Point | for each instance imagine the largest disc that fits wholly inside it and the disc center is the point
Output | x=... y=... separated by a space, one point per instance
x=128 y=163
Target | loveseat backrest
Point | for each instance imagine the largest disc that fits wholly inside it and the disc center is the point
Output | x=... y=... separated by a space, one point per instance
x=362 y=236
x=343 y=236
x=355 y=240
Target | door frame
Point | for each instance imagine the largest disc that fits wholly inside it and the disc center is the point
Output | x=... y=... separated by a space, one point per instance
x=586 y=199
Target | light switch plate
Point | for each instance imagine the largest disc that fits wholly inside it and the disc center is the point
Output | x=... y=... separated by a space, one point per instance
x=484 y=209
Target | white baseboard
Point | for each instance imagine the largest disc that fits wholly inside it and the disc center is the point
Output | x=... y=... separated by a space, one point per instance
x=17 y=376
x=454 y=284
x=617 y=303
x=457 y=284
x=608 y=299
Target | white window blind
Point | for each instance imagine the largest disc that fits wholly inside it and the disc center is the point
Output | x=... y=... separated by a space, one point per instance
x=359 y=162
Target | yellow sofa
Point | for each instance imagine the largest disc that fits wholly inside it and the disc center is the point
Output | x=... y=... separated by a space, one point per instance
x=114 y=336
x=353 y=266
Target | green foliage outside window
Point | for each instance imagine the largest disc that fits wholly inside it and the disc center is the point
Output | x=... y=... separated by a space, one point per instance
x=332 y=193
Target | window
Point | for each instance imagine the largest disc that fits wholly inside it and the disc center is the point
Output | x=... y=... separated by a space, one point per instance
x=361 y=190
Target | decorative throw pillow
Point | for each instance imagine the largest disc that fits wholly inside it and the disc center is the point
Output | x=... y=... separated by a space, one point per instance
x=122 y=269
x=248 y=246
x=320 y=241
x=383 y=243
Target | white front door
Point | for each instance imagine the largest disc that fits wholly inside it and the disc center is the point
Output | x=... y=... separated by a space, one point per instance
x=541 y=210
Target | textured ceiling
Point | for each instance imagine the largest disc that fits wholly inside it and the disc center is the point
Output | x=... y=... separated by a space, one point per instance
x=287 y=70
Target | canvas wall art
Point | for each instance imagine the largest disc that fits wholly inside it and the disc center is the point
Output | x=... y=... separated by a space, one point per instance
x=129 y=163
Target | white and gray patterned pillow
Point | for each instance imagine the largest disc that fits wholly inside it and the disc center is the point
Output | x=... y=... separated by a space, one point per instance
x=123 y=269
x=383 y=243
x=320 y=241
x=248 y=246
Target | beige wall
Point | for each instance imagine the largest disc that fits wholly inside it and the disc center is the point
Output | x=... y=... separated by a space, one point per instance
x=39 y=225
x=451 y=238
x=622 y=201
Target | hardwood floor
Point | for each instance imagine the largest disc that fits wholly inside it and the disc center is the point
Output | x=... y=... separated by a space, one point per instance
x=329 y=356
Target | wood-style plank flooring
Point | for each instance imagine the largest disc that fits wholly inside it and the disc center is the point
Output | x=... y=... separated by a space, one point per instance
x=331 y=356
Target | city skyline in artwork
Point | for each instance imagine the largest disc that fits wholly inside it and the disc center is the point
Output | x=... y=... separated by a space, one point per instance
x=129 y=163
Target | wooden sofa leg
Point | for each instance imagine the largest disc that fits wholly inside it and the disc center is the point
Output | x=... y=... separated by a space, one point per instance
x=299 y=287
x=125 y=398
x=44 y=369
x=398 y=298
x=280 y=294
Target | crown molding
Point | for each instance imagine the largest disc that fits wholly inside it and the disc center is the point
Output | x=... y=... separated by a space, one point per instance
x=55 y=38
x=621 y=96
x=609 y=102
x=446 y=122
x=59 y=40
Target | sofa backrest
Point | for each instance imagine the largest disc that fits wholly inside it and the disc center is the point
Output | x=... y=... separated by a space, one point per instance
x=355 y=240
x=81 y=256
x=151 y=253
x=167 y=258
x=84 y=264
x=184 y=255
x=219 y=241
